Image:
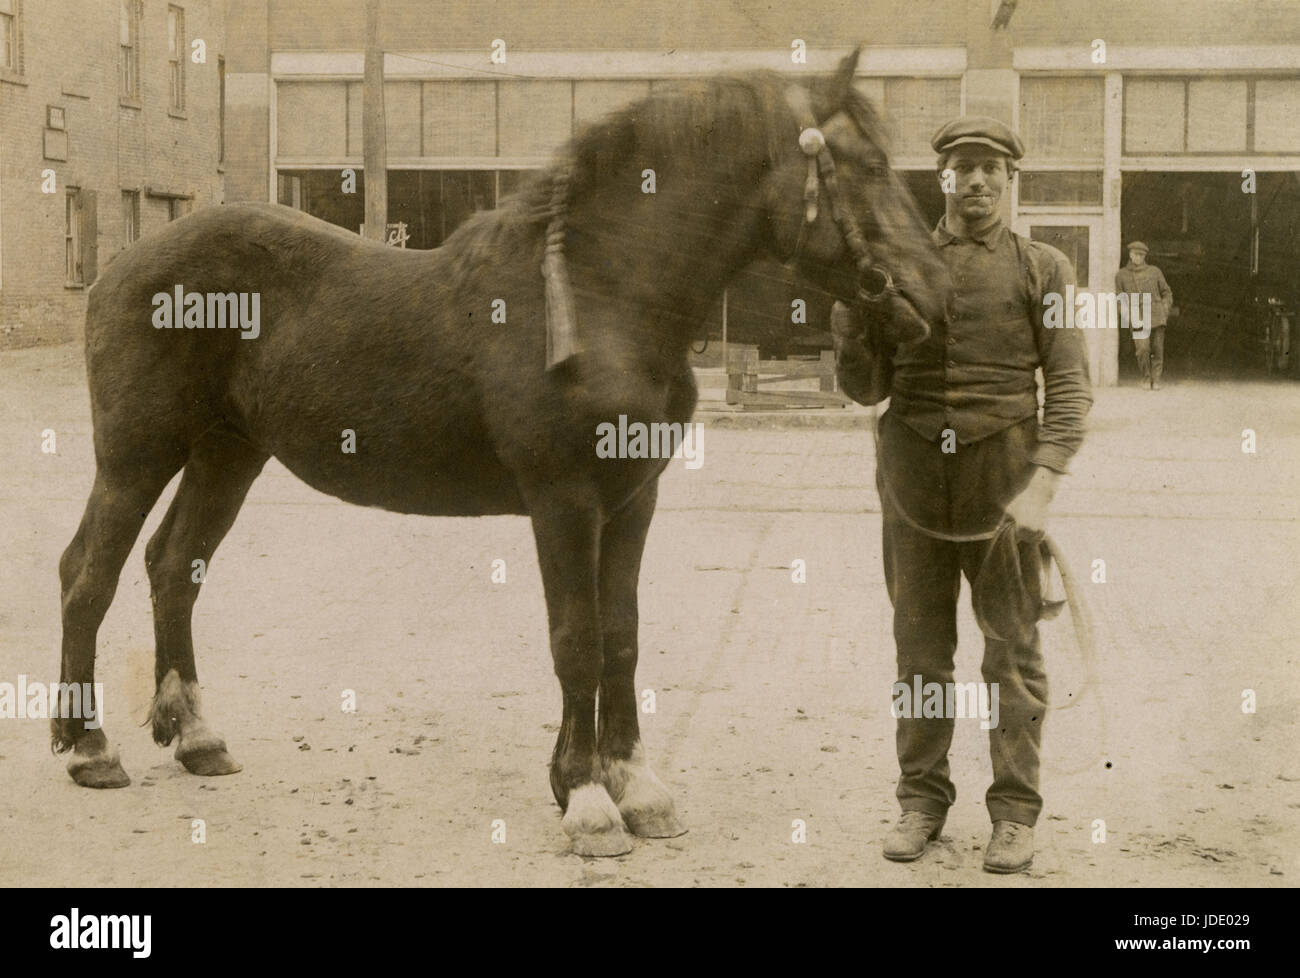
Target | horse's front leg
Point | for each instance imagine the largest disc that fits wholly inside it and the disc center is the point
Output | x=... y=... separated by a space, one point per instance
x=642 y=799
x=568 y=550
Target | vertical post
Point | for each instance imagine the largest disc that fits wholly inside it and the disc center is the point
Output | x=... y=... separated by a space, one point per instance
x=1107 y=343
x=373 y=134
x=724 y=326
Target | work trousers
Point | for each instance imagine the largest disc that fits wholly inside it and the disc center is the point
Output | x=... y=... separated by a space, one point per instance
x=1151 y=355
x=964 y=492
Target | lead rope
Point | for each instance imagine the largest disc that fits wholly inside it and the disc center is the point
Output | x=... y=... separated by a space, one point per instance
x=1080 y=614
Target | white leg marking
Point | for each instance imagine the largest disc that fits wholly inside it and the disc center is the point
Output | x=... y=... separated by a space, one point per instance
x=593 y=823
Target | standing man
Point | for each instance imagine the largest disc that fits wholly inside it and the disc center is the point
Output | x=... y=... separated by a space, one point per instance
x=1137 y=278
x=960 y=450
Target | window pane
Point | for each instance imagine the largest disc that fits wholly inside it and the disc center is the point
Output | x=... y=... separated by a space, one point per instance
x=593 y=99
x=1073 y=187
x=1073 y=241
x=1277 y=115
x=536 y=117
x=1153 y=116
x=1216 y=116
x=124 y=25
x=401 y=115
x=918 y=107
x=171 y=32
x=460 y=118
x=310 y=120
x=1060 y=118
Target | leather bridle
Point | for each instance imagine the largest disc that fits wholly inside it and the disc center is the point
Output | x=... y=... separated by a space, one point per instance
x=821 y=170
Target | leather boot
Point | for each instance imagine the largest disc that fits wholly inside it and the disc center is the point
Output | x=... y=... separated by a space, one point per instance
x=1010 y=849
x=910 y=835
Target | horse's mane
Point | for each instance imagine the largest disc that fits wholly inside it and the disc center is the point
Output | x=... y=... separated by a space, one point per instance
x=712 y=123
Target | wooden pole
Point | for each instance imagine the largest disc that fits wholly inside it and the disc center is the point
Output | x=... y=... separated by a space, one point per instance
x=724 y=327
x=373 y=133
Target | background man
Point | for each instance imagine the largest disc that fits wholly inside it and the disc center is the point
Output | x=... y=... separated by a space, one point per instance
x=1139 y=278
x=961 y=448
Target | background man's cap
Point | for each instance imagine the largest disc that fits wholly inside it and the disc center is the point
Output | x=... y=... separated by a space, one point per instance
x=1137 y=246
x=980 y=129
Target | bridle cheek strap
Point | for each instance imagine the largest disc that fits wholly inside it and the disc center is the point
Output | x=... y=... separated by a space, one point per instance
x=821 y=169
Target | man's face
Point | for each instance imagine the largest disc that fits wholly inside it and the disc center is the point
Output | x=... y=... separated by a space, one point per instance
x=981 y=177
x=1137 y=257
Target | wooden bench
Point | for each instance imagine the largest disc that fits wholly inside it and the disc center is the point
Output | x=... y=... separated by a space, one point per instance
x=745 y=372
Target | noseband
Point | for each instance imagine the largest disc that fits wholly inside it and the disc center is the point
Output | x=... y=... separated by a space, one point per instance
x=821 y=169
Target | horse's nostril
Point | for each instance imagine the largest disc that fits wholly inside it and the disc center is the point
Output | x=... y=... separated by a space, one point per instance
x=875 y=283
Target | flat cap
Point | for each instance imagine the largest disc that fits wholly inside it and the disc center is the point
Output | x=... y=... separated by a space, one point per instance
x=981 y=129
x=1137 y=246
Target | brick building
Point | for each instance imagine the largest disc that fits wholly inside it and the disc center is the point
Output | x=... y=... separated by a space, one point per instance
x=110 y=126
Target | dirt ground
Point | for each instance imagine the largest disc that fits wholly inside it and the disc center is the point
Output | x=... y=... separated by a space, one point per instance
x=772 y=698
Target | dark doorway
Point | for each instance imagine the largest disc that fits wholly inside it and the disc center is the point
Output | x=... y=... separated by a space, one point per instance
x=1202 y=230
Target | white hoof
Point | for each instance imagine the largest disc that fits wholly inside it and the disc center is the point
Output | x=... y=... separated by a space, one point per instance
x=593 y=823
x=642 y=799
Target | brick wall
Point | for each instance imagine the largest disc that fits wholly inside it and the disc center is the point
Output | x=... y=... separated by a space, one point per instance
x=72 y=61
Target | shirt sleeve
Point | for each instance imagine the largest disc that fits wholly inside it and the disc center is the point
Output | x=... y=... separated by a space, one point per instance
x=1063 y=355
x=1166 y=293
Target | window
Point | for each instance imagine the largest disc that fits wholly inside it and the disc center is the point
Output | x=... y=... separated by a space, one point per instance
x=1070 y=241
x=130 y=216
x=129 y=49
x=72 y=236
x=11 y=39
x=1153 y=116
x=79 y=236
x=1277 y=106
x=918 y=107
x=1225 y=116
x=1216 y=115
x=179 y=207
x=460 y=119
x=176 y=57
x=535 y=117
x=1061 y=118
x=1055 y=188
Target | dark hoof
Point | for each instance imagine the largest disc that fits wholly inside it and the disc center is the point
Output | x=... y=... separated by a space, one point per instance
x=209 y=763
x=98 y=772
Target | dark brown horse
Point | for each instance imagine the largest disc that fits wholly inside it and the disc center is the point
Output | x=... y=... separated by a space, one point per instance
x=451 y=413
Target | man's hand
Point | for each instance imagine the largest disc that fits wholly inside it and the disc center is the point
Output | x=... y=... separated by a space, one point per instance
x=1029 y=509
x=846 y=327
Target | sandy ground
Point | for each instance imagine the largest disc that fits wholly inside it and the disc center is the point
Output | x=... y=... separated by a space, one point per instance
x=772 y=698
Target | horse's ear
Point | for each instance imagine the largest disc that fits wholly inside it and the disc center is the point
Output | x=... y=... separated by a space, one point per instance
x=832 y=93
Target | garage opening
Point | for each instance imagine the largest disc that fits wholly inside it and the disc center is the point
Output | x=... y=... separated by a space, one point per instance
x=1232 y=259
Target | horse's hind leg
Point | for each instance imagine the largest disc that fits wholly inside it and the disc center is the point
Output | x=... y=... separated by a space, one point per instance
x=642 y=799
x=88 y=570
x=568 y=550
x=220 y=470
